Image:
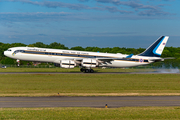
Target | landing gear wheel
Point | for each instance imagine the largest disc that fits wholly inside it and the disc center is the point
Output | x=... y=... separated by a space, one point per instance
x=82 y=70
x=86 y=70
x=91 y=71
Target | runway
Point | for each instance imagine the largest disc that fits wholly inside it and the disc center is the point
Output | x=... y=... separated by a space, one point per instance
x=98 y=102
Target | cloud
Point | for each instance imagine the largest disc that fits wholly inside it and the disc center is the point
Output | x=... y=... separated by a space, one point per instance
x=42 y=35
x=140 y=8
x=154 y=13
x=65 y=30
x=163 y=0
x=132 y=4
x=8 y=19
x=108 y=33
x=51 y=4
x=114 y=9
x=38 y=16
x=141 y=12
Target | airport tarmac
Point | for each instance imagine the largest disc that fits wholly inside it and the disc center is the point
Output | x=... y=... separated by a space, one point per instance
x=98 y=102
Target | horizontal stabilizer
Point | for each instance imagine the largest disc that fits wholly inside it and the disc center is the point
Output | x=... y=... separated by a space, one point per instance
x=169 y=58
x=161 y=59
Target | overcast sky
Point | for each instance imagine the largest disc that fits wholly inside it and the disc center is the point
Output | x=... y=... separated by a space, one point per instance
x=101 y=23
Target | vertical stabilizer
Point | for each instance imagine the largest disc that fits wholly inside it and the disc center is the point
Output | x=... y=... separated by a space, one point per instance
x=156 y=49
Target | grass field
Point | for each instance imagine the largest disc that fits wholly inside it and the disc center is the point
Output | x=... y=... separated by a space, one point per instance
x=89 y=84
x=69 y=70
x=140 y=113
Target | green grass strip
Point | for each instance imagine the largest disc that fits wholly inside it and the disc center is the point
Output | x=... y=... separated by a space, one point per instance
x=140 y=113
x=76 y=69
x=84 y=84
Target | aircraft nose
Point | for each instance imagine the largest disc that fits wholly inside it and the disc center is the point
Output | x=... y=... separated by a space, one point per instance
x=6 y=53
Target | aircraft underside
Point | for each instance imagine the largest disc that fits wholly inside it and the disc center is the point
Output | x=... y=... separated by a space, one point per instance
x=87 y=65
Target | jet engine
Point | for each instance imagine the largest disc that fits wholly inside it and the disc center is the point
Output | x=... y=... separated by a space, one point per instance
x=89 y=63
x=67 y=64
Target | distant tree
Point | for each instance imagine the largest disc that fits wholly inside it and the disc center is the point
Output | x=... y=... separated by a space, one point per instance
x=106 y=50
x=166 y=53
x=8 y=60
x=93 y=49
x=18 y=44
x=78 y=48
x=116 y=50
x=96 y=49
x=140 y=50
x=39 y=44
x=31 y=45
x=89 y=48
x=57 y=46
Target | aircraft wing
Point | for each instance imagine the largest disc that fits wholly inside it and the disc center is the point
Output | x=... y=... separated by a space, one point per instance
x=108 y=59
x=99 y=60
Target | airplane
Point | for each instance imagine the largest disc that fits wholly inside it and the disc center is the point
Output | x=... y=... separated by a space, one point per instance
x=88 y=60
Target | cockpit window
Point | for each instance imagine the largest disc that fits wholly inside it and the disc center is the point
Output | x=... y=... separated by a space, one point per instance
x=9 y=50
x=17 y=51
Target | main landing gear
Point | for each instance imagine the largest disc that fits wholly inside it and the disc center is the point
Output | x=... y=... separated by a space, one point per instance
x=87 y=70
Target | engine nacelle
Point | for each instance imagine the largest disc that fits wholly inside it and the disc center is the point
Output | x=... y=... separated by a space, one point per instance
x=89 y=63
x=67 y=64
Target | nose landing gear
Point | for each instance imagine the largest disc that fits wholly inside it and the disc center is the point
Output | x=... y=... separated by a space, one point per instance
x=18 y=62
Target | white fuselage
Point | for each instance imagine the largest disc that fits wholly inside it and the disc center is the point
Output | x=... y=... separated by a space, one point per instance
x=56 y=55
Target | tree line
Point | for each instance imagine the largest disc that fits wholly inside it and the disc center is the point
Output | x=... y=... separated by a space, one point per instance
x=168 y=51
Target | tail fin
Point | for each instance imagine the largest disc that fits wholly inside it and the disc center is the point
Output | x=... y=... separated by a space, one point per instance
x=156 y=49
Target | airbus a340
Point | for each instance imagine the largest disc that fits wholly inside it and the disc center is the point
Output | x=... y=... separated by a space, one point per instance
x=88 y=60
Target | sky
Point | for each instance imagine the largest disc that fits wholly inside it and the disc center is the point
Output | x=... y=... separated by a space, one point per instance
x=99 y=23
